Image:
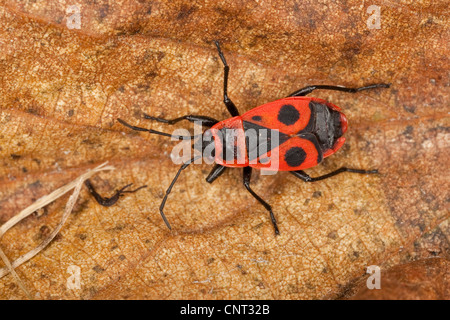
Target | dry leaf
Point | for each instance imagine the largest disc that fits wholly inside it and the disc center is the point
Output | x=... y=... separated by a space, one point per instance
x=63 y=89
x=417 y=280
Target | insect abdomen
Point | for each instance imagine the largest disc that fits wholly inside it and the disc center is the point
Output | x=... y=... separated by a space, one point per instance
x=327 y=124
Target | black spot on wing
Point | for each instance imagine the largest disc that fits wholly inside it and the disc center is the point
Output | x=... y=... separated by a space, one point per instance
x=311 y=137
x=295 y=156
x=256 y=118
x=288 y=115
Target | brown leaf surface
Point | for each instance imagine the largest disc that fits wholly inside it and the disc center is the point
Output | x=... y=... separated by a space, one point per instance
x=418 y=280
x=62 y=90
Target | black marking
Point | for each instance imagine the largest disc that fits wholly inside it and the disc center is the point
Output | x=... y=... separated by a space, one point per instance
x=312 y=138
x=230 y=150
x=295 y=156
x=263 y=139
x=312 y=119
x=327 y=125
x=264 y=160
x=288 y=115
x=256 y=118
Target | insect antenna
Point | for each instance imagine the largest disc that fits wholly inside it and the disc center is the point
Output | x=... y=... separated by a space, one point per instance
x=157 y=132
x=163 y=203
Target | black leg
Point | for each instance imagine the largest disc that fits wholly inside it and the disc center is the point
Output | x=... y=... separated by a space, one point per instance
x=307 y=90
x=247 y=177
x=215 y=173
x=228 y=103
x=163 y=203
x=156 y=132
x=107 y=202
x=305 y=177
x=206 y=121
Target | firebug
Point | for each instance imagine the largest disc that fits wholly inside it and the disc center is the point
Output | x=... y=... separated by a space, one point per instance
x=306 y=131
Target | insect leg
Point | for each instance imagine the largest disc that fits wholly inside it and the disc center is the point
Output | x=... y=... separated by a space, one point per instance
x=228 y=103
x=305 y=177
x=163 y=203
x=155 y=132
x=247 y=176
x=307 y=90
x=107 y=202
x=215 y=173
x=206 y=121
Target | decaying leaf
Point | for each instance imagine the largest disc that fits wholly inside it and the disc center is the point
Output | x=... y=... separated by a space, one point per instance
x=63 y=89
x=417 y=280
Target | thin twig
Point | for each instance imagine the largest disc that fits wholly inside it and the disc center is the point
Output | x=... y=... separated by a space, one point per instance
x=14 y=274
x=77 y=184
x=42 y=202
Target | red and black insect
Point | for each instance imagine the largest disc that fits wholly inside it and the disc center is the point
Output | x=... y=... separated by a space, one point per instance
x=307 y=130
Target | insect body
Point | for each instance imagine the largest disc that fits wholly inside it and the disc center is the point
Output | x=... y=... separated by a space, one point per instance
x=306 y=130
x=290 y=134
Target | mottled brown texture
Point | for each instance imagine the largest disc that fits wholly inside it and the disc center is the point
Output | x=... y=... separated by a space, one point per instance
x=61 y=91
x=427 y=279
